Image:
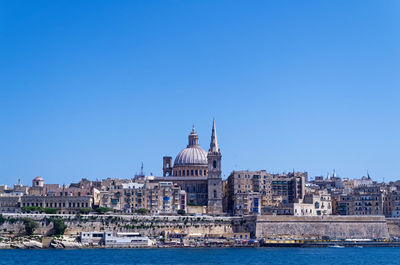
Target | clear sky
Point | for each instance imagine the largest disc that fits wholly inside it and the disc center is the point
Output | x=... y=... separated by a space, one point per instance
x=93 y=88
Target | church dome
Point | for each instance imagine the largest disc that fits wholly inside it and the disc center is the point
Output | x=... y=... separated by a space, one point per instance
x=193 y=154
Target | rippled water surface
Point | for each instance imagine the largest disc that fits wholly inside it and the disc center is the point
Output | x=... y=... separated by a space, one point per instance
x=205 y=256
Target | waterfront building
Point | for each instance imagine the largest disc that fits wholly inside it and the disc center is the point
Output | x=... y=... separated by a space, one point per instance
x=314 y=204
x=66 y=200
x=142 y=192
x=273 y=193
x=395 y=204
x=10 y=198
x=62 y=204
x=363 y=200
x=164 y=198
x=115 y=239
x=127 y=239
x=10 y=203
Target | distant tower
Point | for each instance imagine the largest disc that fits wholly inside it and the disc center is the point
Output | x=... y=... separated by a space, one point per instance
x=214 y=179
x=167 y=166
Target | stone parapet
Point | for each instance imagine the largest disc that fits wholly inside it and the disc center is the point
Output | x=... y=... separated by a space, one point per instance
x=333 y=227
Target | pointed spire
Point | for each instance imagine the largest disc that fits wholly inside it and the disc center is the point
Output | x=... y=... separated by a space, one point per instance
x=214 y=142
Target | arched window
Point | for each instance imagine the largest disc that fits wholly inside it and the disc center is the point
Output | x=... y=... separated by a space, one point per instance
x=215 y=194
x=214 y=164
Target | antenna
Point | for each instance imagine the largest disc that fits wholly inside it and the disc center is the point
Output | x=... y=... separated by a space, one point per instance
x=141 y=169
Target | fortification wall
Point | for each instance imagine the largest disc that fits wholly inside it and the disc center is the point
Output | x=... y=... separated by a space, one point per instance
x=146 y=225
x=393 y=227
x=334 y=227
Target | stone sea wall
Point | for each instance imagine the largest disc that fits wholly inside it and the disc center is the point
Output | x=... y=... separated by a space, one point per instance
x=393 y=227
x=333 y=227
x=146 y=225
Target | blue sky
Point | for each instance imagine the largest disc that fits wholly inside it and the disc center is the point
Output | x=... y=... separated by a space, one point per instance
x=93 y=88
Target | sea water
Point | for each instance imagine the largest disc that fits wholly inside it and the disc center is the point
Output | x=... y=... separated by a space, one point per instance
x=285 y=256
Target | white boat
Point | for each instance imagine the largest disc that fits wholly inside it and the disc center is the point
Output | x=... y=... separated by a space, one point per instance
x=336 y=246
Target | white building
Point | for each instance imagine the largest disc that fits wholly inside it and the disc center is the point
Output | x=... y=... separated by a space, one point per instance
x=315 y=204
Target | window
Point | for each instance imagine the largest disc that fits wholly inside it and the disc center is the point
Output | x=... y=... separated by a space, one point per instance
x=215 y=194
x=214 y=164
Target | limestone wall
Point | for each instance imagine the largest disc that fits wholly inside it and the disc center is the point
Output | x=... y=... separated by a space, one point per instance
x=146 y=225
x=334 y=227
x=393 y=227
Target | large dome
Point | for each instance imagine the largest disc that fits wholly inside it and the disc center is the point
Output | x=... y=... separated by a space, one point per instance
x=192 y=155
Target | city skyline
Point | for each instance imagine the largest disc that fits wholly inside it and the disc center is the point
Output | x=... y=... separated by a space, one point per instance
x=92 y=92
x=142 y=170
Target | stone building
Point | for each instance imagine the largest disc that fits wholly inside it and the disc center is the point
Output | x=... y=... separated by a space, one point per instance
x=248 y=191
x=10 y=198
x=363 y=200
x=142 y=192
x=314 y=204
x=10 y=203
x=394 y=204
x=66 y=200
x=63 y=204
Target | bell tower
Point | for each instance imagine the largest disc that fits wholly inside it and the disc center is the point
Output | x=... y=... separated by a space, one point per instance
x=214 y=179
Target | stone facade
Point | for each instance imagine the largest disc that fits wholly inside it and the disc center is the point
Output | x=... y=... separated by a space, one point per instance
x=274 y=193
x=333 y=227
x=314 y=204
x=63 y=204
x=156 y=196
x=364 y=200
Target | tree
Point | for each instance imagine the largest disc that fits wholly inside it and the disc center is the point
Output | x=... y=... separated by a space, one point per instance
x=30 y=226
x=102 y=210
x=50 y=210
x=2 y=219
x=29 y=209
x=181 y=212
x=141 y=211
x=85 y=210
x=58 y=226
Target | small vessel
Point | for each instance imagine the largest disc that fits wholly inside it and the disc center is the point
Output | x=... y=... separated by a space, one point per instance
x=336 y=246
